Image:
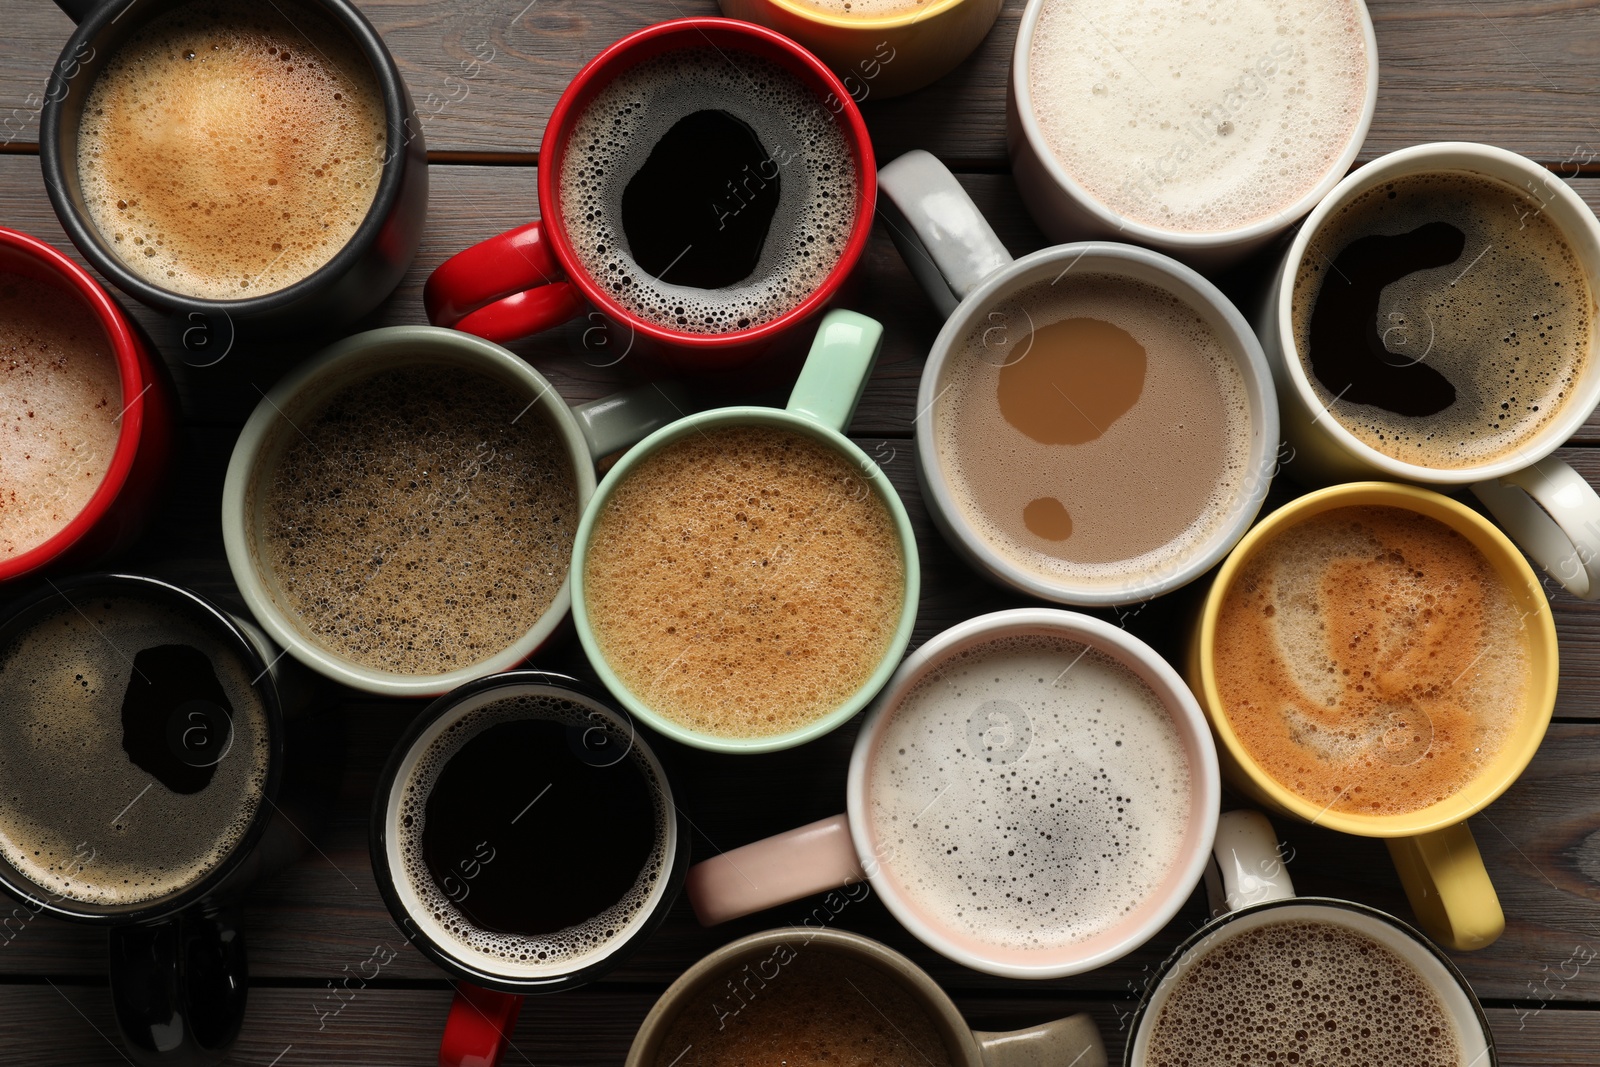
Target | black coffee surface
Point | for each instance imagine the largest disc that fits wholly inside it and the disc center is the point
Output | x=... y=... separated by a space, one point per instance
x=176 y=719
x=698 y=211
x=528 y=834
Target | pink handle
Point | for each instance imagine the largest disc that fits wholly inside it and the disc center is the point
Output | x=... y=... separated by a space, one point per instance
x=775 y=871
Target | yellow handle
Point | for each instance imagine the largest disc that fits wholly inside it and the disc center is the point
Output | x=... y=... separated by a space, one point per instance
x=1449 y=888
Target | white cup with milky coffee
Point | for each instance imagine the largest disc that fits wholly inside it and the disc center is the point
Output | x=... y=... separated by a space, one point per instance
x=1096 y=423
x=1034 y=794
x=1435 y=321
x=1203 y=128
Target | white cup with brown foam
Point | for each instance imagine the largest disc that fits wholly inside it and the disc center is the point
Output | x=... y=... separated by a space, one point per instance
x=1034 y=794
x=1096 y=423
x=399 y=510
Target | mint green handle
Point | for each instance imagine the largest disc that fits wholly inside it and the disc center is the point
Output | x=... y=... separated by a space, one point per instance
x=623 y=419
x=836 y=371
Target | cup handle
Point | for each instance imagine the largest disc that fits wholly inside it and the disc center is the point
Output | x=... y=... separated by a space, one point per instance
x=764 y=874
x=1245 y=867
x=1449 y=888
x=179 y=986
x=943 y=237
x=1070 y=1042
x=479 y=1028
x=623 y=419
x=503 y=289
x=1554 y=515
x=837 y=368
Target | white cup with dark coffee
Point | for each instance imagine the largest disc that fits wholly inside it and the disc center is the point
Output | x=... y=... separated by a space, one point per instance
x=1434 y=322
x=1096 y=423
x=1034 y=794
x=1204 y=129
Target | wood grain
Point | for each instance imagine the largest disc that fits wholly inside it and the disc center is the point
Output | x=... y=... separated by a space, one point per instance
x=1449 y=71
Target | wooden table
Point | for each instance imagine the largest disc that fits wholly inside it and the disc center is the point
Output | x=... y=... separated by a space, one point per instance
x=1512 y=72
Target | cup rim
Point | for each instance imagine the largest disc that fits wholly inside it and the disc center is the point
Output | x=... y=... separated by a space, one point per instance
x=1154 y=671
x=1543 y=668
x=697 y=31
x=306 y=379
x=746 y=416
x=378 y=836
x=126 y=347
x=910 y=977
x=1184 y=242
x=1216 y=923
x=30 y=893
x=1443 y=157
x=864 y=23
x=401 y=129
x=1243 y=346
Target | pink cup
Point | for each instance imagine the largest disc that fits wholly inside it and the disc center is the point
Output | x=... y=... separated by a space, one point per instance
x=849 y=848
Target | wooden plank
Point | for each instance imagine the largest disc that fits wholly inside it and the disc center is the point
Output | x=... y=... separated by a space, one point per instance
x=72 y=1026
x=1450 y=71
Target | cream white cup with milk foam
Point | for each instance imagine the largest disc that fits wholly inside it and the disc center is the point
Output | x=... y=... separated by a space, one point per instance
x=1081 y=710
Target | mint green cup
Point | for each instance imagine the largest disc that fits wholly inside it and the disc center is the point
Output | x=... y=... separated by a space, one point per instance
x=823 y=400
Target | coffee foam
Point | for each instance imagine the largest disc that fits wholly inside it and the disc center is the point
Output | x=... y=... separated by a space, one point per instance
x=60 y=411
x=1372 y=660
x=561 y=951
x=79 y=818
x=1301 y=992
x=614 y=135
x=224 y=154
x=421 y=521
x=1184 y=445
x=1029 y=794
x=1198 y=116
x=867 y=9
x=744 y=581
x=1509 y=323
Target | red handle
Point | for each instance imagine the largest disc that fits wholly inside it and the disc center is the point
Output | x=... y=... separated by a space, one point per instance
x=479 y=1028
x=503 y=289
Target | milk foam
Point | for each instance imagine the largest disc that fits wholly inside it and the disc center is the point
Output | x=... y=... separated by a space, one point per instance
x=1029 y=793
x=79 y=817
x=1301 y=992
x=806 y=144
x=60 y=411
x=224 y=154
x=867 y=9
x=1200 y=116
x=1510 y=323
x=1184 y=446
x=563 y=950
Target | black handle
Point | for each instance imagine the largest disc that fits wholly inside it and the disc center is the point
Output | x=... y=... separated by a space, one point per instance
x=179 y=986
x=78 y=10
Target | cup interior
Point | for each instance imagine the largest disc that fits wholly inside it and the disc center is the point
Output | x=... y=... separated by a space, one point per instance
x=296 y=401
x=732 y=38
x=755 y=966
x=588 y=718
x=1559 y=203
x=99 y=37
x=1165 y=275
x=1462 y=1008
x=1520 y=583
x=720 y=419
x=1145 y=917
x=30 y=258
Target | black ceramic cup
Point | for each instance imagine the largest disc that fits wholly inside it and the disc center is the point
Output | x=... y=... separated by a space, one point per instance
x=146 y=781
x=349 y=285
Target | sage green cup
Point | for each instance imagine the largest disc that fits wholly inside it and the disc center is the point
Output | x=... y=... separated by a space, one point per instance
x=824 y=398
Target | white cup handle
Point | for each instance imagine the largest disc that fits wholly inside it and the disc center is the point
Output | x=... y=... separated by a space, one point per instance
x=943 y=237
x=1554 y=516
x=1245 y=865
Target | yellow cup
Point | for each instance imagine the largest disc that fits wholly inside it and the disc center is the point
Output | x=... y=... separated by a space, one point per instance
x=1432 y=848
x=879 y=56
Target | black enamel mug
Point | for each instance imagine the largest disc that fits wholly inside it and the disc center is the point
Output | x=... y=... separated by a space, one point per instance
x=358 y=276
x=158 y=759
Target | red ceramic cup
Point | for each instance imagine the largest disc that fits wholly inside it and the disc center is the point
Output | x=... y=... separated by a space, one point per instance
x=528 y=280
x=117 y=510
